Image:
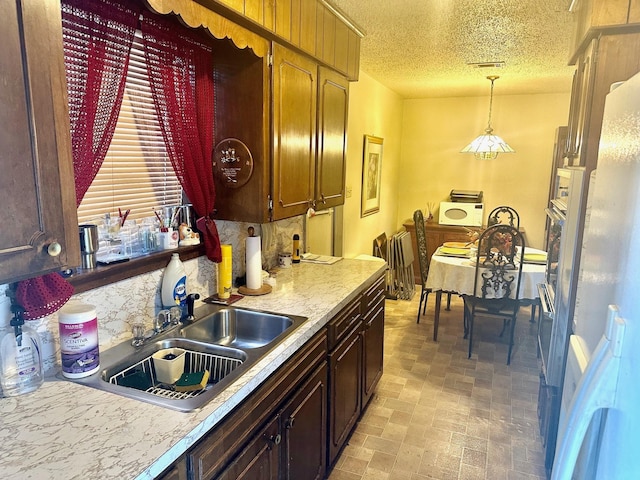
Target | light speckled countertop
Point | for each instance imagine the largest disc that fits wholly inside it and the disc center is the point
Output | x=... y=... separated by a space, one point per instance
x=68 y=431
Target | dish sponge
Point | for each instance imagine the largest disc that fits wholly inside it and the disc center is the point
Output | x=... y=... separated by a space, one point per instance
x=190 y=382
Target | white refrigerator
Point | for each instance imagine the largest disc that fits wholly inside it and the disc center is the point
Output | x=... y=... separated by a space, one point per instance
x=599 y=431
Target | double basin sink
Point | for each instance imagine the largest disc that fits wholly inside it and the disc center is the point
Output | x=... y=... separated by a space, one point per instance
x=224 y=341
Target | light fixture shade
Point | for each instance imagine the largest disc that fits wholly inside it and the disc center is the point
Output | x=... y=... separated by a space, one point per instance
x=487 y=146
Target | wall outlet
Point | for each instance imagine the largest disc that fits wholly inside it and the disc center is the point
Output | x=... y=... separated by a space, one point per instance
x=349 y=192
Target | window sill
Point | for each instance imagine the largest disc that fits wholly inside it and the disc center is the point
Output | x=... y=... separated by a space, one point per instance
x=84 y=280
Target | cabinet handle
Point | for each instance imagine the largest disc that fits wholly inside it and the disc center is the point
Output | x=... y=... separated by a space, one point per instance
x=322 y=198
x=54 y=249
x=274 y=440
x=289 y=423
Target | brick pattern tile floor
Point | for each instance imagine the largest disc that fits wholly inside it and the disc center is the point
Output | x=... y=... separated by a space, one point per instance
x=438 y=414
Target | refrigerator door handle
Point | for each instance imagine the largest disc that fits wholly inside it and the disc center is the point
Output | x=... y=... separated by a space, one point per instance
x=596 y=390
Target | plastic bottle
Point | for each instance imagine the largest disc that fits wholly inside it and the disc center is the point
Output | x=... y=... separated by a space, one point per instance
x=79 y=346
x=225 y=272
x=174 y=283
x=20 y=359
x=295 y=255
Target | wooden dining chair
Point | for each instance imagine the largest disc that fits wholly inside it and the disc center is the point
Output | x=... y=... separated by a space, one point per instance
x=423 y=262
x=504 y=214
x=496 y=288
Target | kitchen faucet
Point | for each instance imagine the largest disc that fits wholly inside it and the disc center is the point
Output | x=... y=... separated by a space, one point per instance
x=166 y=319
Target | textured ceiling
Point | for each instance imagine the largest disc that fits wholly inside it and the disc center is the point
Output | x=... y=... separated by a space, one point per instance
x=421 y=48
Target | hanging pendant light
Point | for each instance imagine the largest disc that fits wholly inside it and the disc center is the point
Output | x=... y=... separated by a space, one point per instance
x=487 y=146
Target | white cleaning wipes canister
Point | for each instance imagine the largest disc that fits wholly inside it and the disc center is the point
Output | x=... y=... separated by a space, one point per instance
x=79 y=349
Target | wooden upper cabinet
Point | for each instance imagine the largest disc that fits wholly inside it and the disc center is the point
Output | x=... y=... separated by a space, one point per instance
x=328 y=51
x=242 y=85
x=333 y=103
x=592 y=16
x=634 y=11
x=262 y=12
x=294 y=132
x=314 y=27
x=41 y=232
x=608 y=59
x=283 y=18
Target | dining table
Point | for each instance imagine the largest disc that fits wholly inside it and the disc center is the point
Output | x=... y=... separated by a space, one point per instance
x=455 y=273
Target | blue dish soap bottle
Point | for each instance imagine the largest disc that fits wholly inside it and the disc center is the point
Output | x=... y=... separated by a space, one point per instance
x=20 y=357
x=174 y=284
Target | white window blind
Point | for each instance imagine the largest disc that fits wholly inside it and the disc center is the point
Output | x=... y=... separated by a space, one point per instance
x=136 y=174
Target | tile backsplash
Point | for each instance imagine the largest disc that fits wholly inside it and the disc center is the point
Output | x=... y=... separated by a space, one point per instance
x=121 y=304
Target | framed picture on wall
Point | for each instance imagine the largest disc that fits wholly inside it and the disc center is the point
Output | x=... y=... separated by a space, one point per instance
x=371 y=175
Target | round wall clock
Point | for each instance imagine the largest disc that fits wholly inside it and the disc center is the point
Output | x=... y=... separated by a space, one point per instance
x=232 y=163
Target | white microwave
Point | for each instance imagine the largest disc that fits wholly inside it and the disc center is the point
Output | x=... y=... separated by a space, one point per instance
x=461 y=213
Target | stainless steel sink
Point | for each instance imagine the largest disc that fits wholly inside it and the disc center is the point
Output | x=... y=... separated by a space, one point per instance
x=225 y=341
x=236 y=327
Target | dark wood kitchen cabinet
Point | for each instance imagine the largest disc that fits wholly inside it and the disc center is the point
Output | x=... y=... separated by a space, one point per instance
x=259 y=459
x=303 y=423
x=333 y=105
x=372 y=338
x=314 y=27
x=294 y=132
x=356 y=344
x=605 y=60
x=345 y=382
x=295 y=424
x=272 y=431
x=284 y=98
x=310 y=108
x=41 y=230
x=594 y=16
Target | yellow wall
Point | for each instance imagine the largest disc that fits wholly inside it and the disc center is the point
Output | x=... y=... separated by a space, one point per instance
x=373 y=110
x=422 y=163
x=435 y=130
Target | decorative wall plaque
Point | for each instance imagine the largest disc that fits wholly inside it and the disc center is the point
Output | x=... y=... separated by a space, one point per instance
x=232 y=163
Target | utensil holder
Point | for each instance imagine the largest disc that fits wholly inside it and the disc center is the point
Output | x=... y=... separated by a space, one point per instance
x=169 y=371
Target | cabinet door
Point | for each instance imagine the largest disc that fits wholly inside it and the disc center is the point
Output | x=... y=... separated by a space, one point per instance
x=580 y=118
x=372 y=348
x=259 y=460
x=345 y=367
x=333 y=103
x=294 y=132
x=304 y=429
x=614 y=58
x=40 y=233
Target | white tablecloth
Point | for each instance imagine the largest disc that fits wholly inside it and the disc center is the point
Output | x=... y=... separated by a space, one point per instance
x=455 y=274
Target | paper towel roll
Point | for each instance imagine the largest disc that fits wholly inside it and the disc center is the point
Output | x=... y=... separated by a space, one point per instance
x=254 y=263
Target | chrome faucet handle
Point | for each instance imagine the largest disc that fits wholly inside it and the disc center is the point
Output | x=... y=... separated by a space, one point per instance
x=162 y=321
x=175 y=313
x=139 y=334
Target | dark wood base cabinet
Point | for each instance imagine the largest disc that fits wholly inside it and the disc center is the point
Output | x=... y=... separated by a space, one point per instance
x=345 y=367
x=294 y=425
x=356 y=339
x=372 y=339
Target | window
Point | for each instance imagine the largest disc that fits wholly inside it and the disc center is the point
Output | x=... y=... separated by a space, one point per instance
x=137 y=173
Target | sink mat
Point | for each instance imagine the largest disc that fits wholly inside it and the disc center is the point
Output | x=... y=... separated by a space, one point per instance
x=142 y=376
